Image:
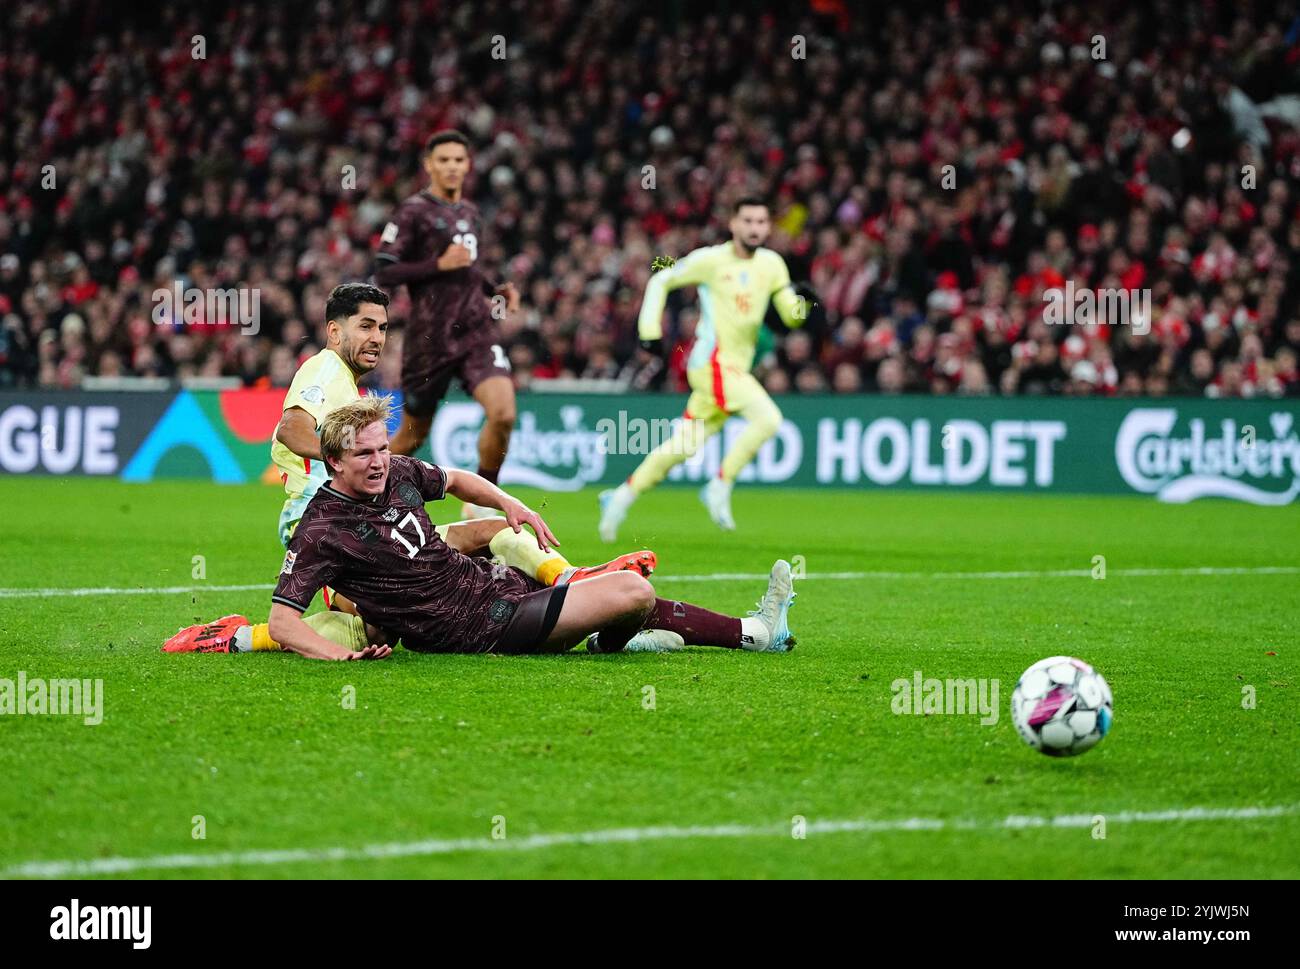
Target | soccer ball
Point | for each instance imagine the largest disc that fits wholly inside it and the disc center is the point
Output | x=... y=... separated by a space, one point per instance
x=1061 y=706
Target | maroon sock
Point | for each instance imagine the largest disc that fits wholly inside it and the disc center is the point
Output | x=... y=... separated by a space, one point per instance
x=489 y=473
x=698 y=626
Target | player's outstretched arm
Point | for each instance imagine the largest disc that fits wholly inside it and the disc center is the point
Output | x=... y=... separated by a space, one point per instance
x=511 y=294
x=468 y=486
x=691 y=270
x=390 y=273
x=288 y=629
x=794 y=303
x=297 y=432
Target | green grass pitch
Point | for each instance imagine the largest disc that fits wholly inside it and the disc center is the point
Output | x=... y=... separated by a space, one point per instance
x=441 y=750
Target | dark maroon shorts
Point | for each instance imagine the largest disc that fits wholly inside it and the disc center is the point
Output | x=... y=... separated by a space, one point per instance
x=534 y=618
x=425 y=379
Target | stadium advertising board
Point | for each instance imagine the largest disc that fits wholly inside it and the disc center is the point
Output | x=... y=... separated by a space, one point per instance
x=1174 y=450
x=75 y=433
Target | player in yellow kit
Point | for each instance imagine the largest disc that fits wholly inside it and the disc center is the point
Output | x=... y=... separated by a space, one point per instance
x=355 y=336
x=735 y=282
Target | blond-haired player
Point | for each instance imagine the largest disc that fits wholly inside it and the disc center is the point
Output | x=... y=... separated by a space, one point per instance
x=735 y=282
x=356 y=331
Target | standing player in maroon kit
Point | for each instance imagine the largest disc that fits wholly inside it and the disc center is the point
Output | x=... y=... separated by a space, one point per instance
x=432 y=247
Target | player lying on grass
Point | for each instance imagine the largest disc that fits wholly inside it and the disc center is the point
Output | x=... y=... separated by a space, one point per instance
x=356 y=325
x=367 y=533
x=492 y=538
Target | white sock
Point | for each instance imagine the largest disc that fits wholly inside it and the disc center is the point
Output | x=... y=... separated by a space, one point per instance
x=243 y=641
x=754 y=633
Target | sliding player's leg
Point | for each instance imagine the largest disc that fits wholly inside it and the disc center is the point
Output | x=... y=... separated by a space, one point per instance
x=762 y=421
x=235 y=634
x=340 y=624
x=701 y=420
x=347 y=628
x=520 y=551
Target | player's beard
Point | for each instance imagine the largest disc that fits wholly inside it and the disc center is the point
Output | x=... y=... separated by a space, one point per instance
x=747 y=246
x=360 y=367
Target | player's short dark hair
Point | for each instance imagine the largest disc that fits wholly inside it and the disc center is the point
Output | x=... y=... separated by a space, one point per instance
x=748 y=200
x=344 y=300
x=449 y=136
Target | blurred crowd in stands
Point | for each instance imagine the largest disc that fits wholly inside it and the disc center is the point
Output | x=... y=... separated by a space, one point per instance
x=934 y=169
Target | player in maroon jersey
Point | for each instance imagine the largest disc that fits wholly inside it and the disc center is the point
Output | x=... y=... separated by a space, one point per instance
x=367 y=534
x=432 y=246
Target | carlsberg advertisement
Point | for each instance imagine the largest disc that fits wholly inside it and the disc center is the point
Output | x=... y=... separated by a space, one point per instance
x=1173 y=450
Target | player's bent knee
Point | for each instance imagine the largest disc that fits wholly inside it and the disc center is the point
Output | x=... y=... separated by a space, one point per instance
x=639 y=593
x=502 y=419
x=769 y=422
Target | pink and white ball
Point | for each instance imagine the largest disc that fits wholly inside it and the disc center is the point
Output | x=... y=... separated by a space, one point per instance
x=1062 y=706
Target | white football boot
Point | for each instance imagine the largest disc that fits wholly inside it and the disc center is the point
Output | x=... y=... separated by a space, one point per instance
x=655 y=641
x=716 y=496
x=766 y=629
x=614 y=504
x=646 y=641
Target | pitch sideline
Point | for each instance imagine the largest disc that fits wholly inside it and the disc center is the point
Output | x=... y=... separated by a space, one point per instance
x=411 y=849
x=57 y=592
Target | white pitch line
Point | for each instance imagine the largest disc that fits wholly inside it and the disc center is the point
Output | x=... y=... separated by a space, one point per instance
x=161 y=590
x=413 y=849
x=56 y=592
x=1029 y=574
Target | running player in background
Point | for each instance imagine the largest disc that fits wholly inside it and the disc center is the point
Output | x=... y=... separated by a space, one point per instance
x=432 y=247
x=367 y=533
x=735 y=281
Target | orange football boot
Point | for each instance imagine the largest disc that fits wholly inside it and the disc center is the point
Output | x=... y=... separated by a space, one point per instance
x=643 y=562
x=212 y=637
